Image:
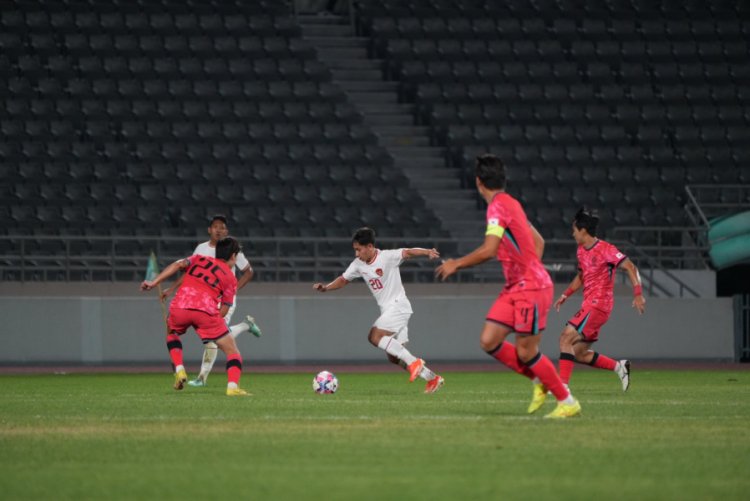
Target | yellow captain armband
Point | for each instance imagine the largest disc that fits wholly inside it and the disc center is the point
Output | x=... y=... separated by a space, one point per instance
x=495 y=230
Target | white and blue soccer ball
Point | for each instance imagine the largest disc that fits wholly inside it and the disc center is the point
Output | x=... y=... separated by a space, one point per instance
x=325 y=383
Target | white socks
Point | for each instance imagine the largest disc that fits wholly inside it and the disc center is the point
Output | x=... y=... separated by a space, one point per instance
x=393 y=347
x=232 y=386
x=211 y=350
x=426 y=373
x=179 y=368
x=209 y=358
x=236 y=330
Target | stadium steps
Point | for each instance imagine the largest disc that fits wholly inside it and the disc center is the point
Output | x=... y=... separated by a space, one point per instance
x=393 y=122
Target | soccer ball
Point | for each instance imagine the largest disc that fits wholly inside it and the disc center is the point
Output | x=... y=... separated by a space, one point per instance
x=325 y=382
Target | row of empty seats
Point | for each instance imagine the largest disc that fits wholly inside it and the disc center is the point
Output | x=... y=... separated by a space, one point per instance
x=598 y=98
x=539 y=51
x=563 y=11
x=126 y=117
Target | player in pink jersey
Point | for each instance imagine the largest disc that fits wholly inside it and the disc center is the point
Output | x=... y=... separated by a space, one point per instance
x=380 y=271
x=207 y=283
x=217 y=229
x=524 y=302
x=597 y=262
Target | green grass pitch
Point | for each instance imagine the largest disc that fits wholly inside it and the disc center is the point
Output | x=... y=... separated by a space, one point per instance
x=674 y=435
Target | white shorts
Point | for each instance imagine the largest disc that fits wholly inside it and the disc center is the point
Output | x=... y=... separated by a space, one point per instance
x=396 y=321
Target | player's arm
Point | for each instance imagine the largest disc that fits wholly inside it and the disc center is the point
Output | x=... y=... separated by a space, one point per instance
x=336 y=284
x=170 y=290
x=418 y=251
x=247 y=275
x=538 y=241
x=224 y=309
x=639 y=302
x=574 y=285
x=170 y=270
x=486 y=251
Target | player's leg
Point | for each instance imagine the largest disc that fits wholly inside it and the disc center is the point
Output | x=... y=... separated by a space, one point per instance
x=383 y=334
x=247 y=324
x=570 y=345
x=499 y=323
x=228 y=345
x=530 y=319
x=493 y=342
x=434 y=381
x=589 y=333
x=174 y=345
x=210 y=351
x=177 y=325
x=585 y=355
x=543 y=368
x=384 y=340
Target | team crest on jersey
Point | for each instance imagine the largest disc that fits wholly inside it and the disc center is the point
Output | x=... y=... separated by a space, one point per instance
x=379 y=272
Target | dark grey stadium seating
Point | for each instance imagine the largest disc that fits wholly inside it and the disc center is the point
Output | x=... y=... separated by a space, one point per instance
x=616 y=97
x=131 y=117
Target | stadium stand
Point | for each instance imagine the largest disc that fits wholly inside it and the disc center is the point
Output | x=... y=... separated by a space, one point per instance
x=629 y=100
x=139 y=118
x=127 y=118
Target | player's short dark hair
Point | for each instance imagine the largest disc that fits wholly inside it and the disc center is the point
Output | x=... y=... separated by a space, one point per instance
x=491 y=171
x=364 y=236
x=218 y=217
x=586 y=219
x=226 y=247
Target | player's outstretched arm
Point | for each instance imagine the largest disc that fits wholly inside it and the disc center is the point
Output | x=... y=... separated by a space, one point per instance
x=418 y=251
x=639 y=302
x=486 y=251
x=336 y=284
x=167 y=272
x=574 y=285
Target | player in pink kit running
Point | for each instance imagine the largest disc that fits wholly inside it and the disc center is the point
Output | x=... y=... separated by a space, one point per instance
x=208 y=282
x=597 y=262
x=524 y=302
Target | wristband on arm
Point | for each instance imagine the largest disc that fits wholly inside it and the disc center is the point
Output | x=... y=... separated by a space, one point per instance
x=637 y=291
x=568 y=292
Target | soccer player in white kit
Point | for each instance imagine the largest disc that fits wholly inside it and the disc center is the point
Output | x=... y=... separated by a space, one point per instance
x=217 y=230
x=380 y=271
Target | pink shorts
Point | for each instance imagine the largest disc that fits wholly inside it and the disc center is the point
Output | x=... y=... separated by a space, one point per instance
x=589 y=321
x=208 y=327
x=523 y=311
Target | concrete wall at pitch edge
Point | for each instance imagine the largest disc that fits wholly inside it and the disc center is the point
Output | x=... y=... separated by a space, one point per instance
x=106 y=329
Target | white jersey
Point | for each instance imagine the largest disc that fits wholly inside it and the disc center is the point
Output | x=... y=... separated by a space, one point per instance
x=383 y=278
x=205 y=249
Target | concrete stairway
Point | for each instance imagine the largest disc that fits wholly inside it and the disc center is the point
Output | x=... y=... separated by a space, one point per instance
x=361 y=78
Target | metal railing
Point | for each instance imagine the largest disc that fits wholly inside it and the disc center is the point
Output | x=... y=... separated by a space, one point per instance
x=671 y=247
x=26 y=258
x=124 y=258
x=648 y=265
x=706 y=201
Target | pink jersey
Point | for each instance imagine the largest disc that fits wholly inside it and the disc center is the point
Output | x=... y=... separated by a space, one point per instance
x=523 y=269
x=207 y=282
x=597 y=265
